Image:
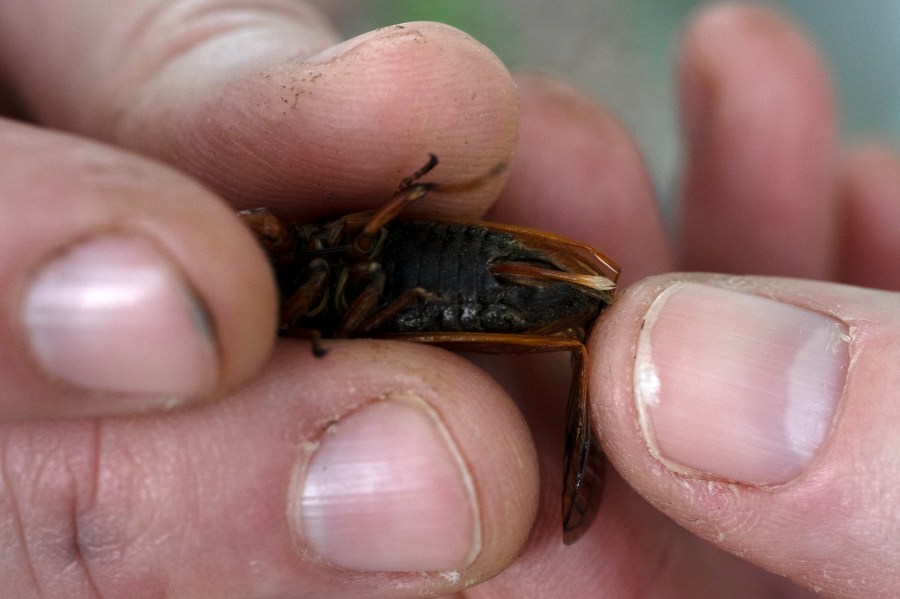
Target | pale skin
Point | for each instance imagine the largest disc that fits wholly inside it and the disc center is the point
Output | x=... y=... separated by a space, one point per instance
x=193 y=502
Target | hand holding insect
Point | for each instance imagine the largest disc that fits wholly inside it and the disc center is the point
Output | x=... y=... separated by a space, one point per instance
x=438 y=470
x=472 y=286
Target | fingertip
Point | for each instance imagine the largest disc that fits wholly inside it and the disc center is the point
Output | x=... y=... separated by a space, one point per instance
x=716 y=39
x=130 y=287
x=735 y=380
x=397 y=473
x=760 y=124
x=746 y=414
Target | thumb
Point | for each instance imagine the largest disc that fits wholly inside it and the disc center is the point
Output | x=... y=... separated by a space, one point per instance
x=125 y=286
x=761 y=414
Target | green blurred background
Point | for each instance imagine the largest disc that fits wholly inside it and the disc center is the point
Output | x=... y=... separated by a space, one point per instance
x=620 y=51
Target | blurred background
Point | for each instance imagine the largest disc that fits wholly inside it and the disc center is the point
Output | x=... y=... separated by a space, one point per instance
x=620 y=51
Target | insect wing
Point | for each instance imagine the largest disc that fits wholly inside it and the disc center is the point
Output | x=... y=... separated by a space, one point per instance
x=584 y=463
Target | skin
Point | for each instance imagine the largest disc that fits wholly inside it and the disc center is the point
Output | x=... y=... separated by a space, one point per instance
x=124 y=106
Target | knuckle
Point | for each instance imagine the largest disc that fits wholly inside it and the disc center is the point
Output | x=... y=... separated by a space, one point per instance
x=53 y=538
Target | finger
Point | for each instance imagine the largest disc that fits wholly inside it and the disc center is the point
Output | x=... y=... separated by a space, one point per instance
x=630 y=550
x=578 y=172
x=760 y=414
x=126 y=285
x=760 y=128
x=870 y=186
x=262 y=107
x=333 y=477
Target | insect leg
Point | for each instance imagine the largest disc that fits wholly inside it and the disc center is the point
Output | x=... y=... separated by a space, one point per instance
x=307 y=299
x=413 y=178
x=411 y=190
x=408 y=192
x=275 y=238
x=388 y=212
x=364 y=305
x=397 y=305
x=363 y=315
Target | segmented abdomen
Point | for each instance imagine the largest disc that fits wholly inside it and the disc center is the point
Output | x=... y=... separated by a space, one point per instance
x=451 y=262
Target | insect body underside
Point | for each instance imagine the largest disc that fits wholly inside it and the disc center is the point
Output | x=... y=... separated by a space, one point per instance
x=463 y=285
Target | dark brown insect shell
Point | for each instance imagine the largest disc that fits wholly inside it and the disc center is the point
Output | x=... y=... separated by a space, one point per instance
x=437 y=276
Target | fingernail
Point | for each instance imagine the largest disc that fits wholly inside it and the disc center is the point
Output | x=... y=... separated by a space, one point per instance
x=737 y=386
x=112 y=314
x=387 y=490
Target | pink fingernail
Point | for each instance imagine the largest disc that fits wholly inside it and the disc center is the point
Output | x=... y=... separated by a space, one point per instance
x=387 y=490
x=112 y=314
x=738 y=386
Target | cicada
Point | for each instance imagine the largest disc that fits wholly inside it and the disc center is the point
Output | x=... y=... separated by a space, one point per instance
x=464 y=285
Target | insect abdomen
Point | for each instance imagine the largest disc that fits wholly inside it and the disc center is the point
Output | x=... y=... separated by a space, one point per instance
x=451 y=262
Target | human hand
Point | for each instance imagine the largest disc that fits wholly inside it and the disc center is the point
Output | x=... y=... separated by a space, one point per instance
x=766 y=428
x=202 y=502
x=208 y=501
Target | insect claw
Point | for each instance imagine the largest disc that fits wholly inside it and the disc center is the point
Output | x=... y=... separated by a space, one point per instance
x=413 y=178
x=317 y=349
